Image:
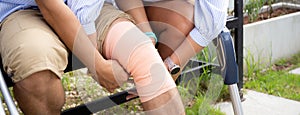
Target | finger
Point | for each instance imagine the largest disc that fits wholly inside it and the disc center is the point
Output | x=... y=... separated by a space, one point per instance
x=111 y=90
x=128 y=97
x=109 y=86
x=132 y=92
x=121 y=75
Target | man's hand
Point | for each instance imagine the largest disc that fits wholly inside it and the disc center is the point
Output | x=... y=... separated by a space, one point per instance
x=111 y=75
x=64 y=22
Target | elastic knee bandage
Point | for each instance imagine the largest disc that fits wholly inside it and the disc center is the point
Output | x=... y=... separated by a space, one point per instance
x=136 y=53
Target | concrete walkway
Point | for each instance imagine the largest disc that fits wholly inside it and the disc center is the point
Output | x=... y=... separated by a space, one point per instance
x=262 y=104
x=295 y=71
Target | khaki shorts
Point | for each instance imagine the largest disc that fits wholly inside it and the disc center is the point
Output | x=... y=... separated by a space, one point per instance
x=28 y=45
x=107 y=16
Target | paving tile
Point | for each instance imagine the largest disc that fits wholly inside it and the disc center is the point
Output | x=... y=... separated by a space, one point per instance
x=257 y=103
x=295 y=71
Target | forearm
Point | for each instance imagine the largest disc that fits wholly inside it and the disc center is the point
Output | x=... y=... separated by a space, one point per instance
x=93 y=39
x=185 y=51
x=136 y=9
x=68 y=28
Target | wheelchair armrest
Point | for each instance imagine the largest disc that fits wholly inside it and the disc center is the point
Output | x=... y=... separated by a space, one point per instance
x=226 y=57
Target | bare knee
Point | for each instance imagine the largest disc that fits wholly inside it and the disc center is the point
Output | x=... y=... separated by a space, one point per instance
x=38 y=82
x=40 y=92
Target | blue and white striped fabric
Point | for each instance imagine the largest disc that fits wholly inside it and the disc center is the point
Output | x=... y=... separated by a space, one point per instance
x=210 y=19
x=86 y=10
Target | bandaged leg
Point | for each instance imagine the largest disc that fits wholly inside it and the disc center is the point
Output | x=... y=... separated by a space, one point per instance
x=136 y=53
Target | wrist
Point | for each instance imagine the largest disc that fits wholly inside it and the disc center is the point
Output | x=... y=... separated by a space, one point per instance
x=172 y=67
x=100 y=63
x=152 y=35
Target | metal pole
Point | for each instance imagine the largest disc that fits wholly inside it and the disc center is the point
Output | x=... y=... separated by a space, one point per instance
x=238 y=12
x=7 y=97
x=229 y=68
x=2 y=112
x=236 y=100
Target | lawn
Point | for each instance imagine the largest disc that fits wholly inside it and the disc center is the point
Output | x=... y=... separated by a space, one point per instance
x=276 y=79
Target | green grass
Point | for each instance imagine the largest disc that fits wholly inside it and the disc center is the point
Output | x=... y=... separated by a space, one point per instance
x=200 y=105
x=208 y=89
x=278 y=83
x=199 y=98
x=276 y=80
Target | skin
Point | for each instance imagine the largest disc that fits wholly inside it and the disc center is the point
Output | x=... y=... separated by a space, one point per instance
x=65 y=24
x=136 y=9
x=42 y=92
x=161 y=104
x=174 y=41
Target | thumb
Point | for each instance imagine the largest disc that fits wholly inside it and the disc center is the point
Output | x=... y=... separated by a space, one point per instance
x=121 y=75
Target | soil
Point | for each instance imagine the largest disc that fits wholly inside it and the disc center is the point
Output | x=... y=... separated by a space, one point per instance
x=286 y=66
x=275 y=13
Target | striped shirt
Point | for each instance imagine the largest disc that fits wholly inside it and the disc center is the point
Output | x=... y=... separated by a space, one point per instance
x=210 y=19
x=86 y=10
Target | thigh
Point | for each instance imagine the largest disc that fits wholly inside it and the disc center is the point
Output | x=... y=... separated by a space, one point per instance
x=28 y=45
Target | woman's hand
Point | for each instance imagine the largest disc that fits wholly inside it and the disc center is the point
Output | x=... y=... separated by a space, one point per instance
x=153 y=40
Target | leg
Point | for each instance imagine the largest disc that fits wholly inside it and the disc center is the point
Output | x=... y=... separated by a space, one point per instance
x=40 y=93
x=137 y=55
x=121 y=40
x=171 y=32
x=36 y=58
x=173 y=40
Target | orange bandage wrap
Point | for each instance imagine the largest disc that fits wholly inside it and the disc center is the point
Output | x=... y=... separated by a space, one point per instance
x=136 y=53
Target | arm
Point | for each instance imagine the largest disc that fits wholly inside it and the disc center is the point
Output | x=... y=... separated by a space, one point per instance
x=69 y=29
x=87 y=13
x=136 y=9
